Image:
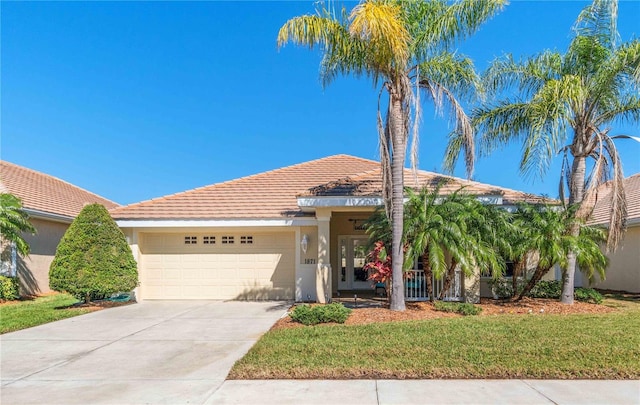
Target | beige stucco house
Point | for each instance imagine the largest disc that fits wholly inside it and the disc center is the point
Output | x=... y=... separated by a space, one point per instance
x=290 y=233
x=623 y=273
x=52 y=205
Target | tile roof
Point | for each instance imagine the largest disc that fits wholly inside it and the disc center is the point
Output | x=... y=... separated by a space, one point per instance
x=370 y=184
x=44 y=193
x=273 y=194
x=601 y=211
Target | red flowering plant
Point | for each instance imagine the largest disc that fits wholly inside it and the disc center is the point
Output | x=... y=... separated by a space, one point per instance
x=379 y=264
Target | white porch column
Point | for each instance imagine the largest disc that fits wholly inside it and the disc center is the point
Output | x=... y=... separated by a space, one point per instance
x=323 y=270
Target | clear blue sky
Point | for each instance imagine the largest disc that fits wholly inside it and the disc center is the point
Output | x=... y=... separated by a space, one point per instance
x=135 y=100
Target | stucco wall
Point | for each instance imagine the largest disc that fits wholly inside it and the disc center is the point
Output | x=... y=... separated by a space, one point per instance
x=33 y=270
x=623 y=273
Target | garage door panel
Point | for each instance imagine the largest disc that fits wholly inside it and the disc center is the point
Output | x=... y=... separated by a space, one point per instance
x=170 y=269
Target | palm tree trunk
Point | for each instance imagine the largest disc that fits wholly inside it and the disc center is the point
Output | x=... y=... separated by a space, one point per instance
x=576 y=190
x=537 y=275
x=451 y=271
x=517 y=270
x=428 y=276
x=398 y=141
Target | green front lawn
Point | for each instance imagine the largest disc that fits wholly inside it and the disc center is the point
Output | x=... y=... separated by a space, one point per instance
x=25 y=314
x=595 y=346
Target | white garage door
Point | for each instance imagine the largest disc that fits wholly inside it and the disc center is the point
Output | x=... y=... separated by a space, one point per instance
x=216 y=265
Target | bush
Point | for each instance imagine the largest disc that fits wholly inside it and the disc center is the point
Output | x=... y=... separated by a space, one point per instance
x=503 y=287
x=9 y=288
x=313 y=315
x=463 y=308
x=93 y=258
x=546 y=289
x=588 y=295
x=553 y=289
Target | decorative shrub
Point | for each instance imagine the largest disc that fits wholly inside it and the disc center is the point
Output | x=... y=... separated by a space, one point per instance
x=93 y=258
x=588 y=295
x=9 y=288
x=463 y=308
x=546 y=289
x=553 y=289
x=503 y=287
x=313 y=315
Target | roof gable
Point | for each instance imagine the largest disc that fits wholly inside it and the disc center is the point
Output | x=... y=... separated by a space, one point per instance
x=44 y=193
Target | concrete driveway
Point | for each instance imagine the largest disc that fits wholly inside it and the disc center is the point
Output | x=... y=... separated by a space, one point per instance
x=173 y=352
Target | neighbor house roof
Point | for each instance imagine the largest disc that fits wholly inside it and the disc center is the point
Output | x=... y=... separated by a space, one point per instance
x=46 y=194
x=602 y=209
x=273 y=194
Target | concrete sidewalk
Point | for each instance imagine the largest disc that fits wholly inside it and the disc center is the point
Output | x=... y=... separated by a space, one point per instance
x=373 y=392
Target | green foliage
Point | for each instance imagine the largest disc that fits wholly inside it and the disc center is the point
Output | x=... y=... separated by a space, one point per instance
x=9 y=289
x=14 y=221
x=553 y=289
x=93 y=258
x=313 y=315
x=588 y=295
x=503 y=287
x=546 y=289
x=463 y=308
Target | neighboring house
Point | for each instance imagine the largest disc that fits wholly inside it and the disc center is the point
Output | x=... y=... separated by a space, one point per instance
x=52 y=204
x=623 y=273
x=291 y=233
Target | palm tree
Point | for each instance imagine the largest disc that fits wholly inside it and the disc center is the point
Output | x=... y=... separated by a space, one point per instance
x=404 y=45
x=14 y=221
x=548 y=235
x=573 y=99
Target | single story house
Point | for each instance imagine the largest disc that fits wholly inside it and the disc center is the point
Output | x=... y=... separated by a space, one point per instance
x=290 y=233
x=623 y=273
x=52 y=204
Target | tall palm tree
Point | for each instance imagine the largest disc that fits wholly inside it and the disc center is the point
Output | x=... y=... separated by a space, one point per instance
x=569 y=99
x=14 y=221
x=404 y=45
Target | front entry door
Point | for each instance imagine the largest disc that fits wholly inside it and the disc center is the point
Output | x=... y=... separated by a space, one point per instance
x=352 y=251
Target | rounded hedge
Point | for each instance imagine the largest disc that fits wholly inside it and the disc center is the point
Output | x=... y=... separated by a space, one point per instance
x=93 y=258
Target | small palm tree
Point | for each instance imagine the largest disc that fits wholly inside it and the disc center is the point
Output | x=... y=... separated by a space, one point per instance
x=404 y=45
x=547 y=231
x=14 y=222
x=569 y=99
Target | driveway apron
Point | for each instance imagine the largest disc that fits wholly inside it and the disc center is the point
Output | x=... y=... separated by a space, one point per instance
x=173 y=352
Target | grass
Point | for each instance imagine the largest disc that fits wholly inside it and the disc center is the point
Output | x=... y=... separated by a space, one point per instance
x=594 y=346
x=25 y=314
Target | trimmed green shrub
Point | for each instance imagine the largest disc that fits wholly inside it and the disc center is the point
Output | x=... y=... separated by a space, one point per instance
x=313 y=315
x=546 y=289
x=93 y=258
x=9 y=288
x=464 y=308
x=553 y=289
x=588 y=295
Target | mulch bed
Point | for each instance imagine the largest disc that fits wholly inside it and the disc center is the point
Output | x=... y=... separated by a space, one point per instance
x=425 y=310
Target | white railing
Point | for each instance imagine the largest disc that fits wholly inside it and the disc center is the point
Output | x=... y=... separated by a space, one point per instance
x=415 y=287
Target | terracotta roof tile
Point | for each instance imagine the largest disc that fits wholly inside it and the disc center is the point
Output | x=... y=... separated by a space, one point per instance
x=273 y=194
x=41 y=192
x=601 y=211
x=370 y=184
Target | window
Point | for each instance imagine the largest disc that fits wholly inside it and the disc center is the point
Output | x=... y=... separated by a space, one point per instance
x=190 y=240
x=208 y=240
x=227 y=240
x=246 y=240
